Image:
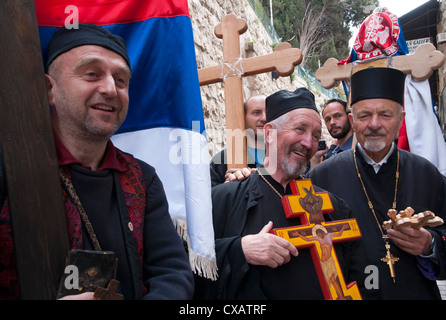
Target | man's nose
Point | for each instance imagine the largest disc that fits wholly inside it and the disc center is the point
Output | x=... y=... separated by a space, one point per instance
x=374 y=122
x=108 y=86
x=307 y=141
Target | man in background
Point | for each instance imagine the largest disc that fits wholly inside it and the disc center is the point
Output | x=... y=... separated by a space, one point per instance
x=335 y=116
x=255 y=141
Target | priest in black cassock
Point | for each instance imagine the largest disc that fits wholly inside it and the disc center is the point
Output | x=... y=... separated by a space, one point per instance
x=376 y=176
x=253 y=263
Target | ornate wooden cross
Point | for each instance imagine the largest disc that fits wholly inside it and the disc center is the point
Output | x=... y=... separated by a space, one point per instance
x=390 y=260
x=408 y=218
x=318 y=235
x=420 y=65
x=283 y=60
x=34 y=193
x=109 y=293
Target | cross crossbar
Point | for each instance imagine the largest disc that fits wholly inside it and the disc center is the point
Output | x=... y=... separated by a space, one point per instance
x=230 y=72
x=420 y=65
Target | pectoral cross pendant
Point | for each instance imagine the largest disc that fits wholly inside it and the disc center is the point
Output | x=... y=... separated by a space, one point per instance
x=390 y=260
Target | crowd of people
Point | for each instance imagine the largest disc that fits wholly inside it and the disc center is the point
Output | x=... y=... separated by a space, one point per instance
x=365 y=174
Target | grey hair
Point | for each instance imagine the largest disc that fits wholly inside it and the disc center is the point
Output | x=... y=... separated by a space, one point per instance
x=279 y=122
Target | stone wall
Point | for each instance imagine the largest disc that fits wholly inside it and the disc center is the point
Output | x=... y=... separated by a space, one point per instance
x=205 y=15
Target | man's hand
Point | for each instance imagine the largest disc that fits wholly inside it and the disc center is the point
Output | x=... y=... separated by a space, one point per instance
x=267 y=249
x=411 y=240
x=81 y=296
x=317 y=158
x=238 y=174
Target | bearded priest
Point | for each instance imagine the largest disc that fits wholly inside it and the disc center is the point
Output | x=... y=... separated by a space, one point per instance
x=376 y=176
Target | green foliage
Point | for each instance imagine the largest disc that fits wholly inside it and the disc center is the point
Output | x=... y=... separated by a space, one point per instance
x=328 y=50
x=335 y=21
x=258 y=9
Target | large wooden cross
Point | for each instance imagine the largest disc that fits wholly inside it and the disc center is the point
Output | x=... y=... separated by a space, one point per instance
x=420 y=65
x=318 y=235
x=283 y=60
x=34 y=192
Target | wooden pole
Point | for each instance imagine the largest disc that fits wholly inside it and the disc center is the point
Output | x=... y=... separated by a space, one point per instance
x=34 y=191
x=283 y=60
x=229 y=31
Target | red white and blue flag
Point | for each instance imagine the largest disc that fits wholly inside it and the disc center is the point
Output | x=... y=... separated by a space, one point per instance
x=164 y=125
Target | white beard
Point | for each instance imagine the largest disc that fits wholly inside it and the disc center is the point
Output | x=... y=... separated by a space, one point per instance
x=374 y=145
x=292 y=171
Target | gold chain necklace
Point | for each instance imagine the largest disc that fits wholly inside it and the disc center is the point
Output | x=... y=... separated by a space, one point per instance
x=389 y=258
x=271 y=186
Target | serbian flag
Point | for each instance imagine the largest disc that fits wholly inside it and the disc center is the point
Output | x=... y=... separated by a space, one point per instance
x=380 y=35
x=165 y=125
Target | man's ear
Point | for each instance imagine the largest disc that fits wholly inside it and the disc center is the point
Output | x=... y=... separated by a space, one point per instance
x=350 y=118
x=401 y=120
x=50 y=84
x=268 y=128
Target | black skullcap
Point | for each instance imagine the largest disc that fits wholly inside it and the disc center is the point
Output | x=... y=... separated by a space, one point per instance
x=284 y=101
x=373 y=83
x=65 y=39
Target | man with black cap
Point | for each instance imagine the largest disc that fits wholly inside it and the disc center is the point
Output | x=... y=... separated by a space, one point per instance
x=252 y=262
x=113 y=201
x=375 y=177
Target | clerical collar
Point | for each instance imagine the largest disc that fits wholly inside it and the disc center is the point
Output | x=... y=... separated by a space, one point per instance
x=370 y=161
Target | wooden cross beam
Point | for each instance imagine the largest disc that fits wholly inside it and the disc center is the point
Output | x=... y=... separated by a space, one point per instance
x=420 y=65
x=231 y=71
x=109 y=293
x=318 y=235
x=34 y=192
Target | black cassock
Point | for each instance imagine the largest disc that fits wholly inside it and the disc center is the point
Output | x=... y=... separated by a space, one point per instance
x=242 y=208
x=421 y=186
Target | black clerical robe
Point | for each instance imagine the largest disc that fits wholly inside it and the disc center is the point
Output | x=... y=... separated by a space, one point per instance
x=421 y=187
x=241 y=208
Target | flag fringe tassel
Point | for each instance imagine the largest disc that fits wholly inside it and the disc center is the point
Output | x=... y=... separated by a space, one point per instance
x=200 y=265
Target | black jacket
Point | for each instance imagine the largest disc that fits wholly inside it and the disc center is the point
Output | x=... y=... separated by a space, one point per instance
x=218 y=167
x=165 y=269
x=232 y=203
x=420 y=186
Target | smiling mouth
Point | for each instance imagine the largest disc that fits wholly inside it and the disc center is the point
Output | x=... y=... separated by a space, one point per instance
x=103 y=107
x=300 y=154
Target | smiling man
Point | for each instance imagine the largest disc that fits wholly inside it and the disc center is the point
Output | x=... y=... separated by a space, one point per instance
x=253 y=263
x=88 y=89
x=113 y=201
